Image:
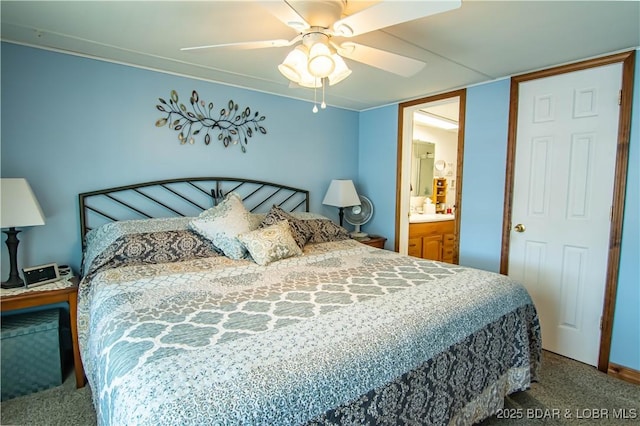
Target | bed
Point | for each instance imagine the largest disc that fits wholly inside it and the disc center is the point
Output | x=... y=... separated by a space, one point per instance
x=224 y=301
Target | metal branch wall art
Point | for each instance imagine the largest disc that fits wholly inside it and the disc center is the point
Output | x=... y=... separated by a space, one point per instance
x=233 y=127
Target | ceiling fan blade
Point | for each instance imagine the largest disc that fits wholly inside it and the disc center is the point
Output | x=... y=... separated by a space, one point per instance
x=388 y=13
x=386 y=61
x=281 y=10
x=243 y=45
x=285 y=13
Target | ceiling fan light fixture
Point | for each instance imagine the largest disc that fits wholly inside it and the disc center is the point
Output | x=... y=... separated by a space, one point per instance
x=340 y=72
x=294 y=63
x=320 y=63
x=314 y=63
x=306 y=79
x=289 y=72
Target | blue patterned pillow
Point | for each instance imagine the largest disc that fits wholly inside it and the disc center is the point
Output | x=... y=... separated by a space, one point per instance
x=223 y=223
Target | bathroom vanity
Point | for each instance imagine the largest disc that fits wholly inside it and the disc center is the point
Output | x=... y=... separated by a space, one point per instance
x=432 y=236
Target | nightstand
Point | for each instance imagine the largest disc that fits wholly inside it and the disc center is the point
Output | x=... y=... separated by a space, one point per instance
x=374 y=241
x=59 y=291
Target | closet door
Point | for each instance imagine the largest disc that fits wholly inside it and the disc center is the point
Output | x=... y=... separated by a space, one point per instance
x=563 y=185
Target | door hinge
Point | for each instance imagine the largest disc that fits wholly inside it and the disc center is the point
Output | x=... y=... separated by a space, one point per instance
x=601 y=321
x=620 y=97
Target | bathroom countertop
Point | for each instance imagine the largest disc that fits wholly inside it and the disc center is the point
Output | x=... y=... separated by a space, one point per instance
x=421 y=217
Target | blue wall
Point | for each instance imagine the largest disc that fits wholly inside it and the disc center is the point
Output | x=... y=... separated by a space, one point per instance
x=485 y=154
x=72 y=124
x=378 y=142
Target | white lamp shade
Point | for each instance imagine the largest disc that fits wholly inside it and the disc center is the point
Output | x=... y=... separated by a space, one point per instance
x=340 y=72
x=320 y=62
x=307 y=80
x=289 y=72
x=295 y=60
x=19 y=206
x=341 y=193
x=294 y=67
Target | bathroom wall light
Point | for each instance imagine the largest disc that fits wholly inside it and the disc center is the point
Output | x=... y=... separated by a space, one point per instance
x=434 y=120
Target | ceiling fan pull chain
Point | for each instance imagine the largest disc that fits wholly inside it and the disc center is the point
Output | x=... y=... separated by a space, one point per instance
x=323 y=105
x=315 y=98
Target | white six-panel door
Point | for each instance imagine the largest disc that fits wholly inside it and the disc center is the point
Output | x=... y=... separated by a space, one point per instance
x=563 y=186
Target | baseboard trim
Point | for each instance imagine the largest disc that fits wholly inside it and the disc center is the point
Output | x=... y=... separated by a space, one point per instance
x=624 y=373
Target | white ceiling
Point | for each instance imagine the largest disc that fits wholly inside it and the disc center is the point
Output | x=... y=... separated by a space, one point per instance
x=478 y=42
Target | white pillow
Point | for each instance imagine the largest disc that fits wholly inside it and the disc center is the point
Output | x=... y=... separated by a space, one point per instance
x=271 y=243
x=222 y=224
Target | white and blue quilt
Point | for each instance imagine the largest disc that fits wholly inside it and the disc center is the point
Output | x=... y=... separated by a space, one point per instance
x=344 y=334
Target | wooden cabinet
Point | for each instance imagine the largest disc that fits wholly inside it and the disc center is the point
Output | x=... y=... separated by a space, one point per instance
x=433 y=240
x=415 y=246
x=432 y=247
x=439 y=196
x=448 y=248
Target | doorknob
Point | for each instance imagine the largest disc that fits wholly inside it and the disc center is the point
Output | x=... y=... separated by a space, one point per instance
x=519 y=228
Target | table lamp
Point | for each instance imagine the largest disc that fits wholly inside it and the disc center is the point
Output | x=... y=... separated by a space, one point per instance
x=341 y=193
x=19 y=208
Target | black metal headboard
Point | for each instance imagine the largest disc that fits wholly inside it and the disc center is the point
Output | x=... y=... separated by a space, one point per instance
x=182 y=197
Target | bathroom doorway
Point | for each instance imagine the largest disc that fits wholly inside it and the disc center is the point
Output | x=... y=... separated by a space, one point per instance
x=430 y=131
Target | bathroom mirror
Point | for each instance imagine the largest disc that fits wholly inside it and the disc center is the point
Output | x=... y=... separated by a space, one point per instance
x=422 y=156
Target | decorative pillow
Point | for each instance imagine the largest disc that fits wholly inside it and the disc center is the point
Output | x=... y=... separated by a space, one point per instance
x=299 y=228
x=324 y=230
x=308 y=215
x=271 y=243
x=256 y=219
x=222 y=224
x=153 y=247
x=98 y=239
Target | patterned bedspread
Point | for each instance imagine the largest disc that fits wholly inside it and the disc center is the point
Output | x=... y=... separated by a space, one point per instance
x=343 y=334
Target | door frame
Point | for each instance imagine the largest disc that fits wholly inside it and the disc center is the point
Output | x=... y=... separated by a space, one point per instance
x=401 y=185
x=620 y=180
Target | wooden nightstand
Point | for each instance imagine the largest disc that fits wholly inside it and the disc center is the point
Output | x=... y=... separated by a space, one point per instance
x=59 y=291
x=374 y=241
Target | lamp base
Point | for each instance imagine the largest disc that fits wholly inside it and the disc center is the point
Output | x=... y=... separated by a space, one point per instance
x=11 y=283
x=12 y=244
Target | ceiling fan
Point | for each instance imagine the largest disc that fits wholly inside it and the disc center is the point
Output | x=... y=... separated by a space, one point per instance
x=321 y=24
